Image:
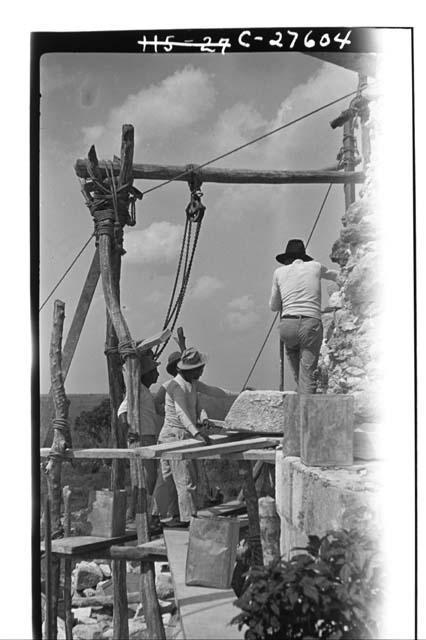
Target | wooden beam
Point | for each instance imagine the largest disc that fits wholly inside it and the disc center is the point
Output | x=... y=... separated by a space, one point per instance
x=94 y=454
x=229 y=176
x=80 y=314
x=148 y=453
x=226 y=448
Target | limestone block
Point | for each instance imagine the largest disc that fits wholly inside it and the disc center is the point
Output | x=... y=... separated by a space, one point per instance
x=366 y=444
x=290 y=538
x=269 y=529
x=264 y=412
x=283 y=484
x=324 y=499
x=326 y=424
x=107 y=513
x=87 y=575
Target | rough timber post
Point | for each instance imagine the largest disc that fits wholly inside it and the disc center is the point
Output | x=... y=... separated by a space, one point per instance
x=251 y=500
x=105 y=236
x=348 y=159
x=61 y=440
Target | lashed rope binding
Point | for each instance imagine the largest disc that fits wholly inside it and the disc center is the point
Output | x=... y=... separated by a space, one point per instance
x=112 y=206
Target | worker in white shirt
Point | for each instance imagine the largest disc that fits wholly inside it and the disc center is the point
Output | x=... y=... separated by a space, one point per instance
x=181 y=422
x=150 y=426
x=296 y=294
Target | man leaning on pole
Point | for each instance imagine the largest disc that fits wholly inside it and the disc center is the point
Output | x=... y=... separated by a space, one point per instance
x=296 y=294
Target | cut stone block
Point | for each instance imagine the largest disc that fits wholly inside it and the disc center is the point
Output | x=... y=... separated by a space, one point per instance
x=326 y=424
x=366 y=444
x=107 y=513
x=264 y=412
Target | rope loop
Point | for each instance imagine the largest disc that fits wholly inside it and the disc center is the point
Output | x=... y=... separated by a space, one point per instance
x=61 y=424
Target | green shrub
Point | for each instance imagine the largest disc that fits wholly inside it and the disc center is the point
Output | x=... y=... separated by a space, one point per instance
x=331 y=590
x=93 y=428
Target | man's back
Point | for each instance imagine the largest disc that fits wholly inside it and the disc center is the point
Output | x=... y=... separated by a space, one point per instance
x=296 y=288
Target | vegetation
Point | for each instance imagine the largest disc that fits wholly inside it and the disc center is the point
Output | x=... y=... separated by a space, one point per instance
x=331 y=590
x=93 y=428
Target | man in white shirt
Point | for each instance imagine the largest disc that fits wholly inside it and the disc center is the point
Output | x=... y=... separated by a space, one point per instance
x=149 y=428
x=296 y=294
x=181 y=422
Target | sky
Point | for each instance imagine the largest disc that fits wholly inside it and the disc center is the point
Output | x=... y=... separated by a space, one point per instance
x=187 y=109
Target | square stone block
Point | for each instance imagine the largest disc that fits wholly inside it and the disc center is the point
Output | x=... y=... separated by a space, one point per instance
x=264 y=412
x=326 y=430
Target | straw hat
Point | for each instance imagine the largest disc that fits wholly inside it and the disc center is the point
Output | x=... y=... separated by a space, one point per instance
x=192 y=359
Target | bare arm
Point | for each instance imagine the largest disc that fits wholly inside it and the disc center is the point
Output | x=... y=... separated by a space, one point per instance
x=275 y=299
x=214 y=392
x=159 y=401
x=328 y=274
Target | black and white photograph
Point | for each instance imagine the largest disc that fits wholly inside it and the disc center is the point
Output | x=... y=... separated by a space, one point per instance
x=223 y=441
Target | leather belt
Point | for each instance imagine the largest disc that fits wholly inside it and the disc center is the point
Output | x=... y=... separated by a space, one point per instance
x=293 y=317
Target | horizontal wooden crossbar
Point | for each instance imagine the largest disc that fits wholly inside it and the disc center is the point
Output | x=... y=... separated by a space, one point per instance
x=230 y=176
x=249 y=448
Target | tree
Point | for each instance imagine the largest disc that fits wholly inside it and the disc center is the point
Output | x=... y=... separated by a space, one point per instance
x=93 y=428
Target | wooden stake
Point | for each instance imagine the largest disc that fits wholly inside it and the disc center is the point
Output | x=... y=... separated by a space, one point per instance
x=250 y=497
x=76 y=327
x=49 y=630
x=149 y=598
x=69 y=618
x=61 y=436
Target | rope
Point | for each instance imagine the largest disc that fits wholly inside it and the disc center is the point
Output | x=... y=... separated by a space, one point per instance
x=67 y=271
x=189 y=170
x=60 y=423
x=278 y=313
x=247 y=144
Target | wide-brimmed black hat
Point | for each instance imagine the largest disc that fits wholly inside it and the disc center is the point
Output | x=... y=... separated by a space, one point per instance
x=172 y=361
x=295 y=250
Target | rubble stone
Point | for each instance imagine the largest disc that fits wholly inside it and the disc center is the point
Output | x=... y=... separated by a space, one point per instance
x=87 y=575
x=106 y=570
x=87 y=632
x=164 y=586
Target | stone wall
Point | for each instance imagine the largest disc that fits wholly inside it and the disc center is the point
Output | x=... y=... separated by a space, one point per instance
x=314 y=500
x=349 y=361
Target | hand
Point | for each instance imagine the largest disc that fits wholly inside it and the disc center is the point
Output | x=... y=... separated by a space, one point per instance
x=202 y=438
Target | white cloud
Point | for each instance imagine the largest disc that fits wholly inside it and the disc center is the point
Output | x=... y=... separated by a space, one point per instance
x=286 y=149
x=204 y=287
x=156 y=245
x=177 y=102
x=241 y=313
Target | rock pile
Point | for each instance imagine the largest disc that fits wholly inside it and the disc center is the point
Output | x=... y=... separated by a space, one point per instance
x=91 y=582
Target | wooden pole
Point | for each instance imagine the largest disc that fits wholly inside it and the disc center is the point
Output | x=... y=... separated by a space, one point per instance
x=61 y=435
x=76 y=327
x=250 y=497
x=69 y=618
x=349 y=159
x=49 y=627
x=154 y=621
x=150 y=605
x=61 y=440
x=281 y=365
x=227 y=176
